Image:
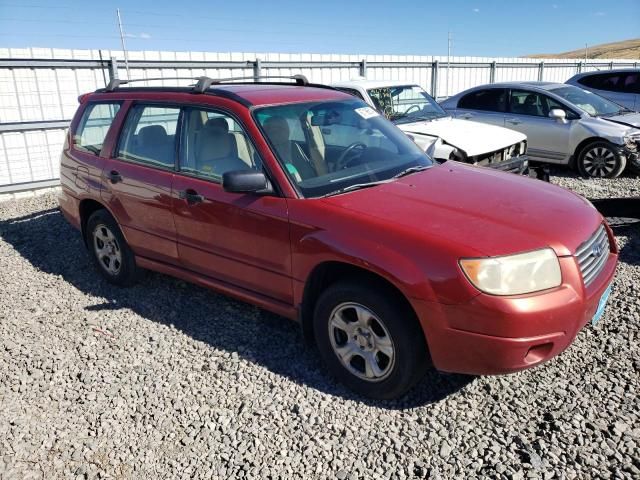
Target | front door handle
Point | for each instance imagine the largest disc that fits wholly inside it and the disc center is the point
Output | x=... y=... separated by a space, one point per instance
x=114 y=176
x=191 y=196
x=514 y=121
x=466 y=116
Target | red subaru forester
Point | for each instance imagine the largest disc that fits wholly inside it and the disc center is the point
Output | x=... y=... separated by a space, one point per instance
x=306 y=202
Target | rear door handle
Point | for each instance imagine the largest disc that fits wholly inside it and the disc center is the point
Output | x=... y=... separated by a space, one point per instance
x=466 y=116
x=514 y=121
x=114 y=176
x=191 y=196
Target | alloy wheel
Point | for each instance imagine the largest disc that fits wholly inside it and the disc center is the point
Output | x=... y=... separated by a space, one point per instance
x=361 y=342
x=107 y=249
x=599 y=162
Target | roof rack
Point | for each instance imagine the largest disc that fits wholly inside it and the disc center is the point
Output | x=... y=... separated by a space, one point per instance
x=203 y=83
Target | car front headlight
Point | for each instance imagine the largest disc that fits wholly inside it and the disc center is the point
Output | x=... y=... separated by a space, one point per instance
x=514 y=274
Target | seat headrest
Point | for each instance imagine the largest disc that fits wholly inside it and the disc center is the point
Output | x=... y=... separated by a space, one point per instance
x=152 y=134
x=277 y=129
x=218 y=123
x=213 y=145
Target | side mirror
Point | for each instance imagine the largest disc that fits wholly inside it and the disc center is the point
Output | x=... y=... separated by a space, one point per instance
x=558 y=115
x=246 y=181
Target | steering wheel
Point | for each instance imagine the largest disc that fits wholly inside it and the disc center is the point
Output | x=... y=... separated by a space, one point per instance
x=417 y=107
x=343 y=160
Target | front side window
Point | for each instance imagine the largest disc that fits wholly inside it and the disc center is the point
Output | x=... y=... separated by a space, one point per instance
x=587 y=101
x=405 y=104
x=491 y=100
x=526 y=102
x=149 y=135
x=345 y=144
x=94 y=125
x=215 y=143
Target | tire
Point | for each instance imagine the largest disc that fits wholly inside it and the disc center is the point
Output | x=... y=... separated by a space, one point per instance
x=390 y=337
x=109 y=250
x=601 y=159
x=633 y=166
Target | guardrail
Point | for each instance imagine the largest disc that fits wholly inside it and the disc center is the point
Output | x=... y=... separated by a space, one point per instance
x=436 y=76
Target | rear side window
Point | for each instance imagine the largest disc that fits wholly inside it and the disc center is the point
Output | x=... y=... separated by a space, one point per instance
x=492 y=100
x=612 y=82
x=94 y=125
x=149 y=135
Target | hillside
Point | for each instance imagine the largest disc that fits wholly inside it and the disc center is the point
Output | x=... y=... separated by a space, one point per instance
x=626 y=49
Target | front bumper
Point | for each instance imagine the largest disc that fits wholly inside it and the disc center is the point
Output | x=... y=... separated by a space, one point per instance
x=495 y=335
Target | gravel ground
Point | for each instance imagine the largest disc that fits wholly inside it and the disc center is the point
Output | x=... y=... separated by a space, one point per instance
x=168 y=380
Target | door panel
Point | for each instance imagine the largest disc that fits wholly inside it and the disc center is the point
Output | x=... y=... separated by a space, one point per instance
x=548 y=139
x=242 y=239
x=138 y=181
x=141 y=203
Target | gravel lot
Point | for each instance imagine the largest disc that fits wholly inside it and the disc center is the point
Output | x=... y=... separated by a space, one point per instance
x=168 y=380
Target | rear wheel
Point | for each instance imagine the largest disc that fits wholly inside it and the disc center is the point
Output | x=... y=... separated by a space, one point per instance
x=370 y=340
x=601 y=159
x=109 y=250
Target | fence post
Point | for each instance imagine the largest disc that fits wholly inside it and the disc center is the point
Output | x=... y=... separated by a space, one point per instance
x=541 y=71
x=492 y=72
x=113 y=69
x=434 y=79
x=363 y=68
x=610 y=65
x=257 y=69
x=579 y=67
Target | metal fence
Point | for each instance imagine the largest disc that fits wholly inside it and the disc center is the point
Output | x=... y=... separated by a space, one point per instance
x=38 y=96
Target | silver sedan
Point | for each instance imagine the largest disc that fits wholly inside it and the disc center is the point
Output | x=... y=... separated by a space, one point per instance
x=564 y=124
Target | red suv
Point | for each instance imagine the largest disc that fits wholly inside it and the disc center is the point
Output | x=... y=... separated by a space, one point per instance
x=306 y=202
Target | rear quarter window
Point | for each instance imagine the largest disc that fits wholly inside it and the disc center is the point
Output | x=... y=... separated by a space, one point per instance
x=94 y=126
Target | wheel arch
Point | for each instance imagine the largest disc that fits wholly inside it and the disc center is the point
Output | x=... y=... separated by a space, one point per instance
x=329 y=272
x=87 y=207
x=581 y=146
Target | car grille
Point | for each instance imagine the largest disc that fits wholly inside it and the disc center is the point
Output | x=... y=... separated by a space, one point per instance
x=592 y=255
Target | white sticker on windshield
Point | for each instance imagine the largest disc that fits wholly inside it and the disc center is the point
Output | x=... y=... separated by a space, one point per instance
x=367 y=112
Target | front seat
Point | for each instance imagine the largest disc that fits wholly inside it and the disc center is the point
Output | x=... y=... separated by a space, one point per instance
x=530 y=106
x=215 y=153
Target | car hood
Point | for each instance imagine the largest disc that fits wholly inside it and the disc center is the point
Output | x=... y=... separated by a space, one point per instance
x=472 y=137
x=478 y=209
x=629 y=119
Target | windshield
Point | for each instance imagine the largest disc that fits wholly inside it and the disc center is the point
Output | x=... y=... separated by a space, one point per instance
x=587 y=101
x=405 y=104
x=326 y=147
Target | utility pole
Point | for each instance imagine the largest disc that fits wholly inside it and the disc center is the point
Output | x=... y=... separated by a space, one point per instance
x=586 y=52
x=449 y=46
x=124 y=48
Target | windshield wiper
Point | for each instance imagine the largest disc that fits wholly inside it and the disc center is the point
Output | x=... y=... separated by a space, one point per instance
x=396 y=116
x=357 y=186
x=407 y=171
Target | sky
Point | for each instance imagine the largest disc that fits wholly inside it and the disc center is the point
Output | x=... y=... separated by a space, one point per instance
x=501 y=28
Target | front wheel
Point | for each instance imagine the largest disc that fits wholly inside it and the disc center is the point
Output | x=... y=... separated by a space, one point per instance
x=370 y=339
x=601 y=159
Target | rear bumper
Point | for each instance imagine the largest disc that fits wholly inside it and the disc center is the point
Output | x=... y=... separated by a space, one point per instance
x=496 y=335
x=70 y=208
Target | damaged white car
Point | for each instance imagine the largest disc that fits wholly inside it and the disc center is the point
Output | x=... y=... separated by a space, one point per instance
x=443 y=137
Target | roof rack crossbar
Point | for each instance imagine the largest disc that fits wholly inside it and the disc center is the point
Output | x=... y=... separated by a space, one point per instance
x=203 y=83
